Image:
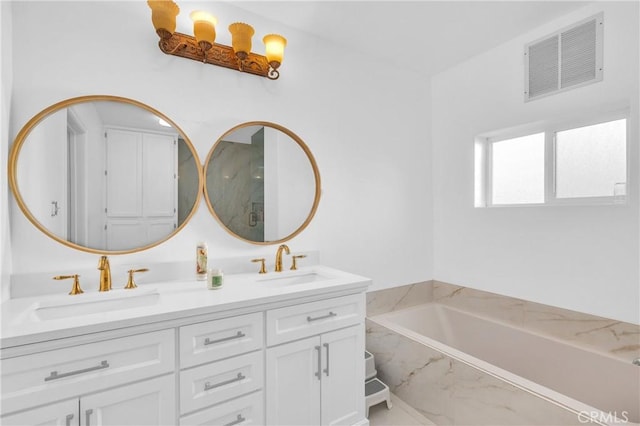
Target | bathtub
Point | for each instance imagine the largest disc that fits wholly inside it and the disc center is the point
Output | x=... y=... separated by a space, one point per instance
x=457 y=368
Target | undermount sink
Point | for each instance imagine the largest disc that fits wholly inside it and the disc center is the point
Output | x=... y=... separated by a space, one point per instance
x=295 y=278
x=93 y=303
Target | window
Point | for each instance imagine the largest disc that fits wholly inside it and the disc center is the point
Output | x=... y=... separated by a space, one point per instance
x=517 y=170
x=570 y=164
x=591 y=161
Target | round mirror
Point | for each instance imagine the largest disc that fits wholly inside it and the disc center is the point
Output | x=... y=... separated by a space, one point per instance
x=262 y=183
x=105 y=174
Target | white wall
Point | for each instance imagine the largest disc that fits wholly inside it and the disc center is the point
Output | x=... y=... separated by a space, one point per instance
x=581 y=258
x=364 y=122
x=6 y=80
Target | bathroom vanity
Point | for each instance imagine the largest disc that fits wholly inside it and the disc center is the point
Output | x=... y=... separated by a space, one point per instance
x=277 y=348
x=280 y=348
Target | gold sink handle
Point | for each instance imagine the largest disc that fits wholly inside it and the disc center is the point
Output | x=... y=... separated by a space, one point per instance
x=130 y=283
x=294 y=266
x=76 y=283
x=263 y=268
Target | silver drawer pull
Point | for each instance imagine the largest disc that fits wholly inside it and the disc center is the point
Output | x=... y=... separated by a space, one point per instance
x=329 y=315
x=326 y=370
x=317 y=373
x=237 y=421
x=238 y=335
x=68 y=419
x=238 y=378
x=55 y=375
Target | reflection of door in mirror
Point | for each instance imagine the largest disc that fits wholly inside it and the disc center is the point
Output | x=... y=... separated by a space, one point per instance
x=44 y=193
x=90 y=170
x=140 y=188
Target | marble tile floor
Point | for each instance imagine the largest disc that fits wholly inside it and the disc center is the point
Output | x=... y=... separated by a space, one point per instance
x=402 y=414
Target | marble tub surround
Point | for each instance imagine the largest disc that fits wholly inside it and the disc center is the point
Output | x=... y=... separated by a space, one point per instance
x=616 y=338
x=392 y=299
x=450 y=392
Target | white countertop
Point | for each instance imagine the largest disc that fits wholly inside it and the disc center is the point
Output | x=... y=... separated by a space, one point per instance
x=21 y=325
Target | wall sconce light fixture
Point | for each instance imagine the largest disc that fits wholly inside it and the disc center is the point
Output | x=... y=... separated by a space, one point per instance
x=202 y=47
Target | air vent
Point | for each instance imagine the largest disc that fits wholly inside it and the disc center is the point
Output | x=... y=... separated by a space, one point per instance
x=564 y=60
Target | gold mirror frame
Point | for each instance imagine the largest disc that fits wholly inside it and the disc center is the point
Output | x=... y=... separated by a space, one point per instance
x=38 y=118
x=312 y=161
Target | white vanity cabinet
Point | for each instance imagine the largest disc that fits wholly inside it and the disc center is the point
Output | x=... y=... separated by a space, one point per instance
x=148 y=403
x=295 y=360
x=317 y=380
x=81 y=372
x=221 y=361
x=143 y=403
x=61 y=413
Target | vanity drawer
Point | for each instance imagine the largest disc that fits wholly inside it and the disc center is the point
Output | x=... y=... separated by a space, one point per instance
x=308 y=319
x=219 y=381
x=214 y=340
x=55 y=375
x=246 y=410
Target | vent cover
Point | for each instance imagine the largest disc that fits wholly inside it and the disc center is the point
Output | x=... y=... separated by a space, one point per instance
x=565 y=60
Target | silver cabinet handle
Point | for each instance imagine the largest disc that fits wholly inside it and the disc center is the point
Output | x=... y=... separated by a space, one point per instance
x=68 y=419
x=239 y=377
x=238 y=335
x=237 y=421
x=317 y=374
x=326 y=370
x=55 y=375
x=329 y=315
x=88 y=413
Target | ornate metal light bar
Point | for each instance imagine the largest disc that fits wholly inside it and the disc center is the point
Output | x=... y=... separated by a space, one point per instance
x=202 y=47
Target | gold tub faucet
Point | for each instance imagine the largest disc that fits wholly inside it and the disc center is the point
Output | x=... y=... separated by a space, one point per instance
x=105 y=274
x=285 y=248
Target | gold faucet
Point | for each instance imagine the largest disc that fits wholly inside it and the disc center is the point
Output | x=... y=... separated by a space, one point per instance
x=279 y=256
x=105 y=274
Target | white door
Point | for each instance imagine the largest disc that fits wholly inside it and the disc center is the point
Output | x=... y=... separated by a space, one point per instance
x=63 y=413
x=151 y=402
x=293 y=383
x=343 y=376
x=124 y=173
x=159 y=229
x=125 y=234
x=159 y=180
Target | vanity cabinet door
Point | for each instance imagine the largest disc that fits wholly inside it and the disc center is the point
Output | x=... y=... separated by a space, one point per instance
x=63 y=413
x=151 y=402
x=293 y=383
x=317 y=381
x=343 y=376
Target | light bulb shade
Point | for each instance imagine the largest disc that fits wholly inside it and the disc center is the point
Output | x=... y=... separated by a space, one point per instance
x=241 y=34
x=163 y=16
x=204 y=28
x=274 y=48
